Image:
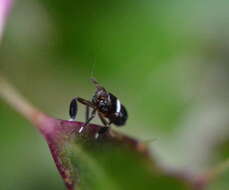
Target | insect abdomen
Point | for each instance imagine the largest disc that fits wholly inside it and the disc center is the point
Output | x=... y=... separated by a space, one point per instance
x=121 y=118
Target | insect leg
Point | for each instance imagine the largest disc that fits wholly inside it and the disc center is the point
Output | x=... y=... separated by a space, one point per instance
x=73 y=108
x=86 y=102
x=90 y=118
x=103 y=120
x=103 y=129
x=88 y=121
x=87 y=113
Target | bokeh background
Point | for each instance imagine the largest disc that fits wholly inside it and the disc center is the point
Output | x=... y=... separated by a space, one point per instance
x=167 y=61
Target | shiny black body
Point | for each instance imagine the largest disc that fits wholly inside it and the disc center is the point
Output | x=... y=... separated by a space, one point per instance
x=108 y=107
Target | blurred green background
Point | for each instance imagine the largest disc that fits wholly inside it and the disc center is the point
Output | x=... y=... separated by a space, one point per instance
x=167 y=61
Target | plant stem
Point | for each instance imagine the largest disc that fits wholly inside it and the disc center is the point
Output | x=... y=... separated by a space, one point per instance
x=11 y=96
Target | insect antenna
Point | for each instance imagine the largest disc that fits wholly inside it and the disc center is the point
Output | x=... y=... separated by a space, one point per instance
x=92 y=78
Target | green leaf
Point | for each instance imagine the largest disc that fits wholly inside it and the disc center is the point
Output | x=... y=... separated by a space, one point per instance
x=111 y=161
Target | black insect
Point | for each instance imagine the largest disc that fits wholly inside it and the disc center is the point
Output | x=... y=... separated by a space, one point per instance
x=108 y=107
